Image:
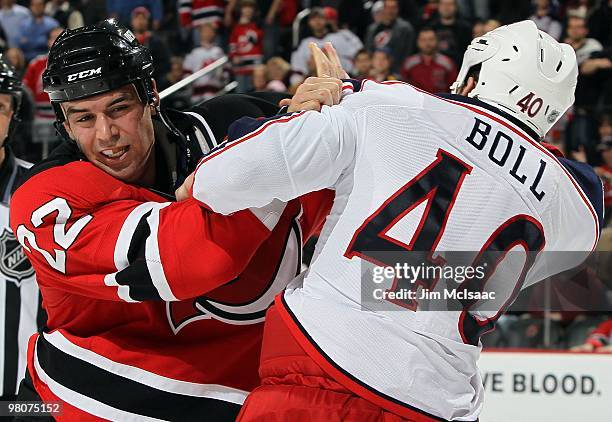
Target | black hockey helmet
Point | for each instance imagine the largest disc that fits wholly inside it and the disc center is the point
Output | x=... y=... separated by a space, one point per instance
x=95 y=59
x=10 y=83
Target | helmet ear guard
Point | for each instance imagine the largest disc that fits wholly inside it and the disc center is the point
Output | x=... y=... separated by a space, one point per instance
x=480 y=50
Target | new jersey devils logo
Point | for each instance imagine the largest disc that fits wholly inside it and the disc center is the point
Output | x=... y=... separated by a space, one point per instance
x=382 y=39
x=285 y=254
x=247 y=41
x=13 y=261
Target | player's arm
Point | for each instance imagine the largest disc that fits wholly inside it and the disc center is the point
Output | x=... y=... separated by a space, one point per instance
x=279 y=158
x=95 y=240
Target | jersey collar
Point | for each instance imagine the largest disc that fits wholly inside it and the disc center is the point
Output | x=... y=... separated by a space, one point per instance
x=474 y=101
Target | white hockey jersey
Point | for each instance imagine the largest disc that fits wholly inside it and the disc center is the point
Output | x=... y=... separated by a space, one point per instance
x=412 y=172
x=208 y=85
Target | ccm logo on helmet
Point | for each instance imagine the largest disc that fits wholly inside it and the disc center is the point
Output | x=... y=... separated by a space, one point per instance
x=84 y=74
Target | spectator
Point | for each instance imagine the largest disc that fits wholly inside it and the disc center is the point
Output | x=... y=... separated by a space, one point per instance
x=344 y=41
x=409 y=11
x=35 y=30
x=277 y=73
x=278 y=16
x=16 y=59
x=208 y=52
x=454 y=34
x=482 y=9
x=11 y=17
x=429 y=70
x=429 y=10
x=604 y=147
x=362 y=65
x=43 y=129
x=545 y=21
x=595 y=80
x=260 y=78
x=491 y=24
x=194 y=13
x=157 y=46
x=577 y=32
x=478 y=29
x=382 y=64
x=181 y=99
x=392 y=33
x=246 y=45
x=323 y=26
x=63 y=12
x=32 y=79
x=122 y=10
x=301 y=56
x=355 y=18
x=600 y=340
x=581 y=8
x=278 y=26
x=600 y=23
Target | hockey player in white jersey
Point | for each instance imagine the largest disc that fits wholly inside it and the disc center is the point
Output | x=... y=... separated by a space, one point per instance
x=412 y=172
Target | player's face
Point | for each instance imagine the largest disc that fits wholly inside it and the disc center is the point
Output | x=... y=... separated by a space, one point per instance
x=115 y=132
x=6 y=113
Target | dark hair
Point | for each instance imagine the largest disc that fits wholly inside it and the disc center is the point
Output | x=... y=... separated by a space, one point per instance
x=362 y=51
x=427 y=28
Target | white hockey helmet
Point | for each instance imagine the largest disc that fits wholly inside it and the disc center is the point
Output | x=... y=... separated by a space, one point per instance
x=524 y=71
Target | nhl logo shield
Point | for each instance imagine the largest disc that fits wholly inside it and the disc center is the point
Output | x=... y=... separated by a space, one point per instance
x=14 y=263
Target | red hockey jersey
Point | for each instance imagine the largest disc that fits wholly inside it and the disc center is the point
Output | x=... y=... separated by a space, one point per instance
x=148 y=319
x=197 y=12
x=246 y=47
x=33 y=80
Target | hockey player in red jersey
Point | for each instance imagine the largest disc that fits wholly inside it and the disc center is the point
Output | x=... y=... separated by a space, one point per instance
x=155 y=307
x=420 y=176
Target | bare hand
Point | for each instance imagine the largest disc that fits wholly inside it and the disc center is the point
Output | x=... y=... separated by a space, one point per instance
x=183 y=192
x=327 y=63
x=314 y=93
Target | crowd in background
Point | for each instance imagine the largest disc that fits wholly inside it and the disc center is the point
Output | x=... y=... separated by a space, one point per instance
x=266 y=43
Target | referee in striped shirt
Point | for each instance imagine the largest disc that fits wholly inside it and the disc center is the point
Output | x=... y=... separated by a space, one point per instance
x=20 y=311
